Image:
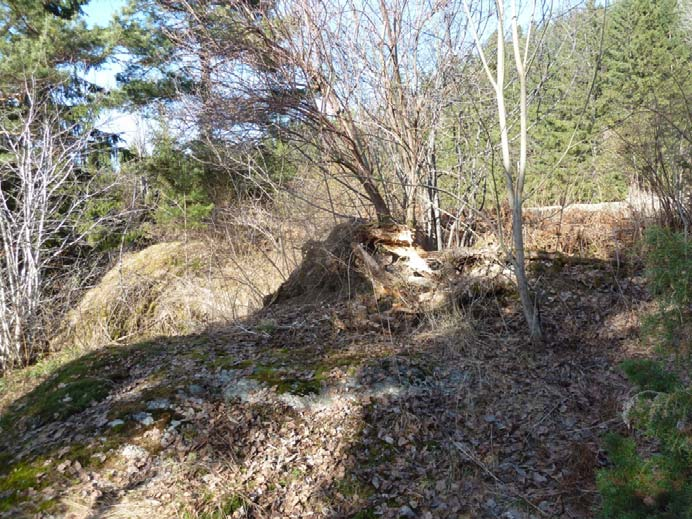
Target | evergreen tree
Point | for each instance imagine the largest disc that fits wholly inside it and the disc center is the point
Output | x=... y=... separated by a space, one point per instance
x=51 y=43
x=49 y=161
x=644 y=99
x=646 y=58
x=195 y=63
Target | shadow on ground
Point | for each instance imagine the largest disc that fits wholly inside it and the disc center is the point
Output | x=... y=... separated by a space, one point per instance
x=330 y=409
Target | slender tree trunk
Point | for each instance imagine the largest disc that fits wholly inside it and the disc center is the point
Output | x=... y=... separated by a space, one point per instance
x=514 y=175
x=435 y=228
x=528 y=305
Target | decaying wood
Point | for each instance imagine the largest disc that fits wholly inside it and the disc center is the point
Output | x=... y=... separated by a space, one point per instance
x=387 y=259
x=398 y=241
x=566 y=259
x=388 y=234
x=382 y=281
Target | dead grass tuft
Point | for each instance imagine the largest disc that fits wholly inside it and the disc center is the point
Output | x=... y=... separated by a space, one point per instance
x=169 y=288
x=326 y=269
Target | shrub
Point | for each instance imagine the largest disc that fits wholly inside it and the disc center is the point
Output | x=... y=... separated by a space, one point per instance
x=657 y=485
x=669 y=272
x=650 y=375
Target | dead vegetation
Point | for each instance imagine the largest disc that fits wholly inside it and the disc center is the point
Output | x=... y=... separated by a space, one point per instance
x=379 y=380
x=587 y=230
x=170 y=288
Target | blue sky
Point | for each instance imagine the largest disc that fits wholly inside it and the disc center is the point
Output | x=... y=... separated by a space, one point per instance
x=100 y=12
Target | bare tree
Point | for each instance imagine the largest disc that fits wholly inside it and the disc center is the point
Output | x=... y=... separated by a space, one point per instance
x=360 y=89
x=658 y=148
x=378 y=75
x=41 y=203
x=514 y=168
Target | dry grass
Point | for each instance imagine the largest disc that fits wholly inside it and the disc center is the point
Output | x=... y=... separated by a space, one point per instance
x=171 y=288
x=593 y=230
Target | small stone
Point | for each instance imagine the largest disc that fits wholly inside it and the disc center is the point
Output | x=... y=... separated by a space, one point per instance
x=144 y=418
x=158 y=404
x=245 y=389
x=100 y=456
x=195 y=389
x=539 y=478
x=116 y=422
x=405 y=511
x=133 y=452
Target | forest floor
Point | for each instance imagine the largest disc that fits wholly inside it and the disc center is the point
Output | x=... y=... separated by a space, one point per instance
x=335 y=408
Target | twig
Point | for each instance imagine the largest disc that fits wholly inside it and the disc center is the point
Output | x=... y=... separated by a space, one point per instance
x=469 y=455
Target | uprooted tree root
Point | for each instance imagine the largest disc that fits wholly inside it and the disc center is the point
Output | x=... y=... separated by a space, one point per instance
x=383 y=260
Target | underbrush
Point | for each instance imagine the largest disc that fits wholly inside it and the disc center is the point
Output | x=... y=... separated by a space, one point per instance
x=651 y=472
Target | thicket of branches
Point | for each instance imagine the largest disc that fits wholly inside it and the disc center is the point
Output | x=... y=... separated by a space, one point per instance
x=433 y=114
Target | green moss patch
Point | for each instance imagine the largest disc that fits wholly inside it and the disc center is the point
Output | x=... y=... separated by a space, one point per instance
x=219 y=510
x=18 y=479
x=74 y=386
x=53 y=401
x=284 y=381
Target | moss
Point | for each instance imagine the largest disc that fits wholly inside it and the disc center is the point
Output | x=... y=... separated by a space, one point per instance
x=197 y=355
x=283 y=382
x=226 y=508
x=294 y=474
x=379 y=454
x=19 y=478
x=366 y=513
x=230 y=362
x=283 y=369
x=56 y=400
x=74 y=385
x=37 y=472
x=125 y=409
x=352 y=487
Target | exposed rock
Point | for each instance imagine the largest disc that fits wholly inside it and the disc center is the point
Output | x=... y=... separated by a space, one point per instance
x=144 y=418
x=133 y=453
x=243 y=388
x=158 y=404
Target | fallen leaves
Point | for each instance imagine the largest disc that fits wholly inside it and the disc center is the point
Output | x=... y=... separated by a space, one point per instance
x=406 y=422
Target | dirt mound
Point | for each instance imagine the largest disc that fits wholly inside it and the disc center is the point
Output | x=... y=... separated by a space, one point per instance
x=169 y=288
x=299 y=411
